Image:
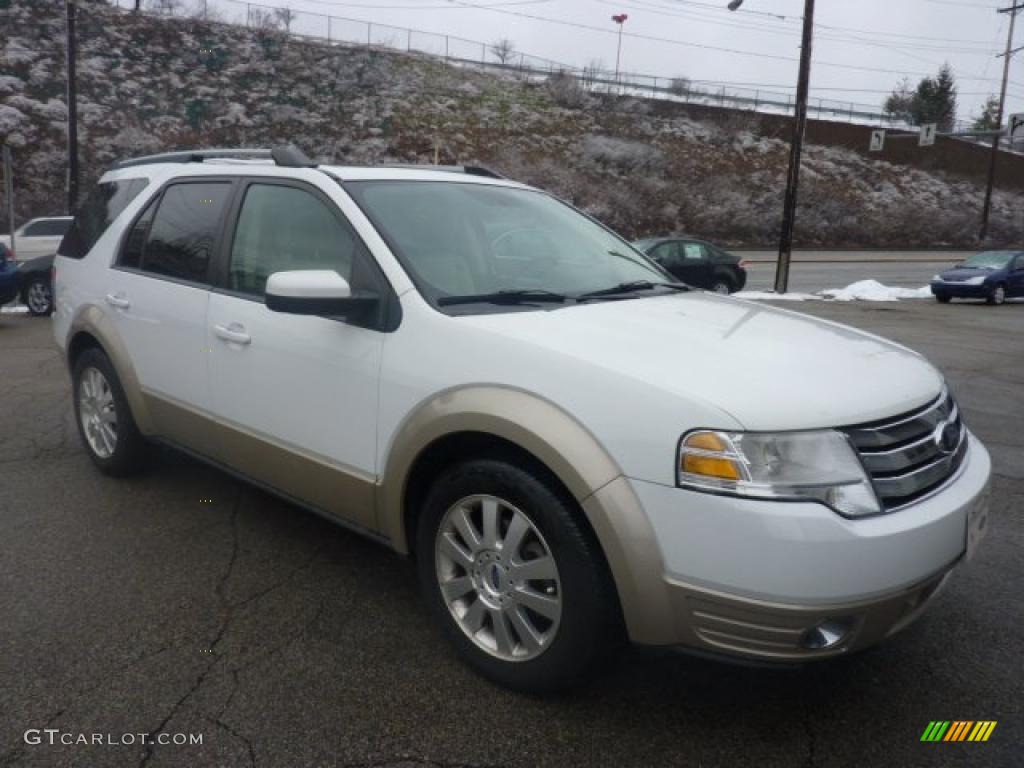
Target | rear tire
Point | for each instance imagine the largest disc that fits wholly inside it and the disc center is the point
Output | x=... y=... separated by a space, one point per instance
x=103 y=416
x=997 y=295
x=527 y=600
x=721 y=285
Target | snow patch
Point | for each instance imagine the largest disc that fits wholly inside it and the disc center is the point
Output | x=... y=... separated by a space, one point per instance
x=872 y=290
x=772 y=296
x=863 y=290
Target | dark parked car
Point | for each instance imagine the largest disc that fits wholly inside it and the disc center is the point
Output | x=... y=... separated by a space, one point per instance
x=8 y=275
x=697 y=263
x=991 y=275
x=35 y=285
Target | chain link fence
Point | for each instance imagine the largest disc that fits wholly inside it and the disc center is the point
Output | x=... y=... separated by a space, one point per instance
x=459 y=51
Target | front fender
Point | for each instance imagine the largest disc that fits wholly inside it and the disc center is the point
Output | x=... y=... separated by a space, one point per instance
x=571 y=452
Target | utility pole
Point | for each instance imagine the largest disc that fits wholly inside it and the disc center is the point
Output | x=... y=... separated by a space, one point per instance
x=72 y=113
x=796 y=147
x=993 y=157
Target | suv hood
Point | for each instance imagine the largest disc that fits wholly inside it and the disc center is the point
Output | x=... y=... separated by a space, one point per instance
x=768 y=368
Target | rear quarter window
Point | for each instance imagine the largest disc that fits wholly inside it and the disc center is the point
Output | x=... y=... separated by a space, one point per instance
x=96 y=214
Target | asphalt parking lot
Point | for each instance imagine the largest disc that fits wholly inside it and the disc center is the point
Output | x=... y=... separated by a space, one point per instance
x=182 y=601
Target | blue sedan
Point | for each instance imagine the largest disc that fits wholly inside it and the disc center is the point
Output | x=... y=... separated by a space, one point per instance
x=991 y=275
x=9 y=279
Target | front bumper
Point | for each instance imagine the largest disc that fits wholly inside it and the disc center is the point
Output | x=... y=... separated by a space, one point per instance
x=961 y=290
x=756 y=578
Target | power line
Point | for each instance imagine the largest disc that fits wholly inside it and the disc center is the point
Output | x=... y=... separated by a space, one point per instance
x=689 y=44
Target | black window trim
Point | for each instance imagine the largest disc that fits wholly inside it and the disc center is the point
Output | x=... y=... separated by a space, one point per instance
x=390 y=315
x=155 y=200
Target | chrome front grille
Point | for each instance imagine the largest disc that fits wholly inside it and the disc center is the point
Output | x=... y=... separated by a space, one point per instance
x=909 y=456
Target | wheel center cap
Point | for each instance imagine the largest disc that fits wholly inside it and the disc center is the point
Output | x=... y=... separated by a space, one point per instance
x=495 y=579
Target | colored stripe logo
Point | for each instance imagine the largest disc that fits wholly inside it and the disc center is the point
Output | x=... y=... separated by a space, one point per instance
x=958 y=730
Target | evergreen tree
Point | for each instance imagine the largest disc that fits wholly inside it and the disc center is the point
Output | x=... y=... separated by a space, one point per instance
x=986 y=121
x=932 y=101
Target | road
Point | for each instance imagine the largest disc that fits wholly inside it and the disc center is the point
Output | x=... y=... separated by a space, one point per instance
x=812 y=271
x=114 y=592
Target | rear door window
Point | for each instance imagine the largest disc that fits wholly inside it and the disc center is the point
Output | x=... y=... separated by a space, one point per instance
x=184 y=230
x=47 y=228
x=693 y=252
x=95 y=214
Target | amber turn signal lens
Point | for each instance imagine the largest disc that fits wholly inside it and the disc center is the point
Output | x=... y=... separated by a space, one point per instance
x=710 y=466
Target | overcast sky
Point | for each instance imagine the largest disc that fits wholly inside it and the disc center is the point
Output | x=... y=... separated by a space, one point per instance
x=862 y=48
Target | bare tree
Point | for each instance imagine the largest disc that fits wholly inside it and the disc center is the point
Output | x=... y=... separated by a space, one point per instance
x=261 y=19
x=680 y=86
x=503 y=50
x=205 y=12
x=165 y=7
x=592 y=73
x=285 y=17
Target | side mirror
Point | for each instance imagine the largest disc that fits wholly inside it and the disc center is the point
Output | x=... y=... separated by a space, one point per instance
x=314 y=292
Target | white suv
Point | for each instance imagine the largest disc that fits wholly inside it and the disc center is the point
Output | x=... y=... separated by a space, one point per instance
x=576 y=449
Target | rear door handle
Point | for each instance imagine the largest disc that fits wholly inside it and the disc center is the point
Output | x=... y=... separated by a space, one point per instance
x=118 y=301
x=234 y=332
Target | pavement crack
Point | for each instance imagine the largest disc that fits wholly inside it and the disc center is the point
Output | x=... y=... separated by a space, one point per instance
x=228 y=611
x=248 y=743
x=396 y=760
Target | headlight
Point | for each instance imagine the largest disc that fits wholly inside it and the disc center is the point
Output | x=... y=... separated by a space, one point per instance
x=975 y=280
x=936 y=278
x=819 y=466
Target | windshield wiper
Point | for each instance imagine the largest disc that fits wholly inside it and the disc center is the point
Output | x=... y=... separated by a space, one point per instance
x=635 y=285
x=519 y=296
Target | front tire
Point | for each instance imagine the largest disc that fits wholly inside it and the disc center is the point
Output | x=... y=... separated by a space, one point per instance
x=38 y=297
x=516 y=582
x=997 y=295
x=104 y=418
x=942 y=299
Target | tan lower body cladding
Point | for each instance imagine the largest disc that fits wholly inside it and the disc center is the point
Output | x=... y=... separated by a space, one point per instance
x=340 y=492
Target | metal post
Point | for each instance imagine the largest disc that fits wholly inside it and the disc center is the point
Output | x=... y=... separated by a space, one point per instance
x=72 y=93
x=483 y=52
x=248 y=14
x=987 y=207
x=446 y=47
x=369 y=27
x=408 y=42
x=329 y=20
x=619 y=50
x=793 y=177
x=9 y=192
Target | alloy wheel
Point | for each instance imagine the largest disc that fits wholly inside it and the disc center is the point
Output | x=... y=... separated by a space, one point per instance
x=498 y=577
x=720 y=287
x=998 y=294
x=97 y=412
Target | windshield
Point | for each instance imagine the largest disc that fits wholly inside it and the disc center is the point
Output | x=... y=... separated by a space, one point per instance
x=458 y=239
x=989 y=260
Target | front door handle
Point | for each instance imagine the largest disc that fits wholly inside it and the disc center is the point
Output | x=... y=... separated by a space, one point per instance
x=235 y=332
x=118 y=301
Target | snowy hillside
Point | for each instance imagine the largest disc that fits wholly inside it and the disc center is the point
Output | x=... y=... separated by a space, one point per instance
x=148 y=85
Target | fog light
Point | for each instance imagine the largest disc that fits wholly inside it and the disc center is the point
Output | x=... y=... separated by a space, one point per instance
x=827 y=634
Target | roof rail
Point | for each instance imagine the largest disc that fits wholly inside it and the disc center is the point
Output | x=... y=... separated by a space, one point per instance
x=287 y=156
x=469 y=170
